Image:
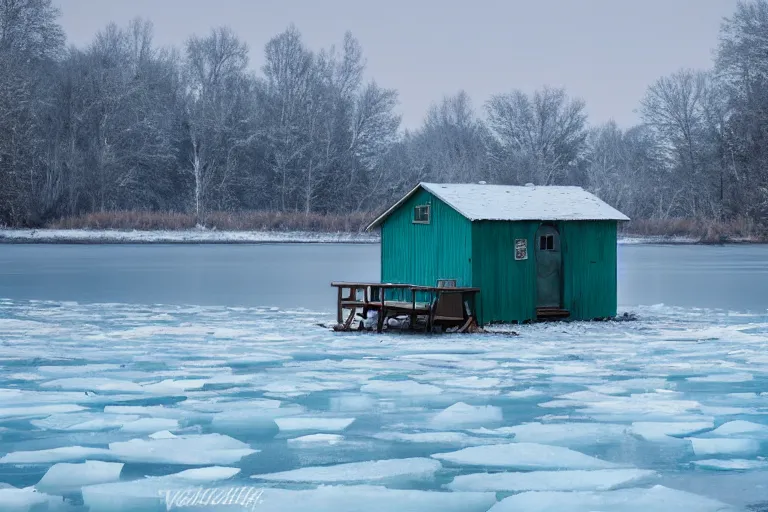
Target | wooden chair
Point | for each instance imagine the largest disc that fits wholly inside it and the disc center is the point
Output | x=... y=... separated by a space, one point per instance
x=449 y=306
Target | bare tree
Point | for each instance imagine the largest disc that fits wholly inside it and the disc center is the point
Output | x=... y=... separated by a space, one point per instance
x=627 y=169
x=288 y=78
x=540 y=138
x=327 y=132
x=30 y=44
x=215 y=71
x=676 y=108
x=742 y=69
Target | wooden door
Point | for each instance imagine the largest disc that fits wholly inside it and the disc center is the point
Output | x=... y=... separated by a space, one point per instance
x=549 y=263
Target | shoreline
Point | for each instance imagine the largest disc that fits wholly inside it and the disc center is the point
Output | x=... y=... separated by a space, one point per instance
x=189 y=237
x=206 y=237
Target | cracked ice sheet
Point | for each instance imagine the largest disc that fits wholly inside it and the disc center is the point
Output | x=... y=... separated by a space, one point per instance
x=642 y=371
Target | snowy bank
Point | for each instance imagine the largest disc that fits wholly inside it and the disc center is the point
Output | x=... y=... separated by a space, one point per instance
x=212 y=236
x=686 y=240
x=634 y=240
x=193 y=236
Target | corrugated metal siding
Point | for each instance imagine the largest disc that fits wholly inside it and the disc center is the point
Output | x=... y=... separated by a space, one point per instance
x=589 y=268
x=423 y=253
x=507 y=287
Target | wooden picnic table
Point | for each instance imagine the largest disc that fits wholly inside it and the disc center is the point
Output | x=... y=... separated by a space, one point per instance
x=372 y=297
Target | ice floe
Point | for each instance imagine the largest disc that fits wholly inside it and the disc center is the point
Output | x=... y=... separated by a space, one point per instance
x=451 y=438
x=731 y=464
x=661 y=431
x=28 y=500
x=191 y=450
x=66 y=478
x=316 y=439
x=52 y=455
x=38 y=411
x=574 y=480
x=524 y=394
x=400 y=387
x=298 y=424
x=84 y=421
x=656 y=499
x=150 y=494
x=378 y=471
x=149 y=425
x=529 y=456
x=740 y=427
x=461 y=415
x=723 y=377
x=564 y=434
x=729 y=446
x=252 y=423
x=94 y=384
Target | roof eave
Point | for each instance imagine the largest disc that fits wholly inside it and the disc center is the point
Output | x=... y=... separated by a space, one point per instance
x=616 y=219
x=619 y=217
x=381 y=218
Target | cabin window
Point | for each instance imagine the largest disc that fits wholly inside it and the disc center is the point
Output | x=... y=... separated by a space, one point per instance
x=547 y=243
x=421 y=214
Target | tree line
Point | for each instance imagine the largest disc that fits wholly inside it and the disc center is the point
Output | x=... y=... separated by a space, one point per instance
x=123 y=124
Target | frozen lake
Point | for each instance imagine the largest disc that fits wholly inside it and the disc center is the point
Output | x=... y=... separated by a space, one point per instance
x=230 y=387
x=291 y=275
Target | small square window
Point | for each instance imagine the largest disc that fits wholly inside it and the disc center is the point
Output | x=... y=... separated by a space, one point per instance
x=421 y=214
x=547 y=243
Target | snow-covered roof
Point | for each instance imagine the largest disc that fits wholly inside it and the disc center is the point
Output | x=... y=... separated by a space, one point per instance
x=513 y=203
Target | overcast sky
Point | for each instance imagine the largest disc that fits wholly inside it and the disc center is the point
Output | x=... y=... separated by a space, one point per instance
x=604 y=51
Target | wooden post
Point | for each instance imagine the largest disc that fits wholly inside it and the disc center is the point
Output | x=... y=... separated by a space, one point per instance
x=434 y=300
x=382 y=309
x=339 y=314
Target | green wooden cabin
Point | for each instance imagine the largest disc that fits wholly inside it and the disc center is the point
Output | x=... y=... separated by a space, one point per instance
x=533 y=251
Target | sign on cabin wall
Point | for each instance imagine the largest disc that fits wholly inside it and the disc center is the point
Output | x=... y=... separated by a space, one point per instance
x=521 y=249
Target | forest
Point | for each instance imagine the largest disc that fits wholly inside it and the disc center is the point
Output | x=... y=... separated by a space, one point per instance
x=125 y=133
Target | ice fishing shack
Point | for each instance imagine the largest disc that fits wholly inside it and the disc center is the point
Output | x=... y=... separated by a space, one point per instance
x=533 y=252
